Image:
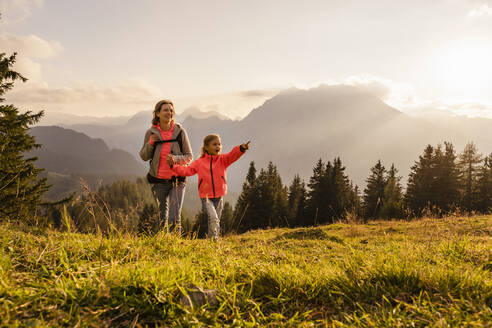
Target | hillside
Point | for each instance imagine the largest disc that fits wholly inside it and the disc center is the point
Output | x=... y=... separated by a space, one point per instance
x=381 y=274
x=67 y=151
x=67 y=156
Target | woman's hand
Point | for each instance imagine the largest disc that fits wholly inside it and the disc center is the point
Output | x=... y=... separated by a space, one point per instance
x=245 y=146
x=153 y=138
x=170 y=159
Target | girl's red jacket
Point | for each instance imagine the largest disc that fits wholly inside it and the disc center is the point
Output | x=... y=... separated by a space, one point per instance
x=211 y=169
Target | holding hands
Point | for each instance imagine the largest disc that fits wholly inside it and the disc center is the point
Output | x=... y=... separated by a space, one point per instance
x=170 y=160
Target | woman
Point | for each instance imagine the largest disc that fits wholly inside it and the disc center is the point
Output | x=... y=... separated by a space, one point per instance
x=164 y=138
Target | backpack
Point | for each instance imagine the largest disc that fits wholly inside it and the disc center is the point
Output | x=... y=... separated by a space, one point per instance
x=179 y=140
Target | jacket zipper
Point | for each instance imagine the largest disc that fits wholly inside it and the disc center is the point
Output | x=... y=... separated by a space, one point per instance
x=199 y=184
x=212 y=174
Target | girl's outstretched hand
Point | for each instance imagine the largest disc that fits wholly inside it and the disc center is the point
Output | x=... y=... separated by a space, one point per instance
x=246 y=145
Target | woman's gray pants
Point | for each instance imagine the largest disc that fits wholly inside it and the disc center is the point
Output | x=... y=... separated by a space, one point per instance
x=213 y=208
x=169 y=199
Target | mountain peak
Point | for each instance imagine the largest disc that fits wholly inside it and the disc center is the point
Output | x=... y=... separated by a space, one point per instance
x=324 y=102
x=195 y=112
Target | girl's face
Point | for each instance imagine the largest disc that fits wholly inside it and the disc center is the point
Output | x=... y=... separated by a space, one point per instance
x=166 y=114
x=214 y=147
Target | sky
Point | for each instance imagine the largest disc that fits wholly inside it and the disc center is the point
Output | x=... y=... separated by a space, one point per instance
x=119 y=57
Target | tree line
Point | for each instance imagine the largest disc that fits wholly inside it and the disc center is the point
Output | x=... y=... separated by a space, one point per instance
x=440 y=183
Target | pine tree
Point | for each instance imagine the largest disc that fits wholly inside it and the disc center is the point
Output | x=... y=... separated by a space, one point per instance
x=227 y=219
x=21 y=189
x=374 y=191
x=354 y=206
x=245 y=211
x=340 y=189
x=271 y=208
x=419 y=193
x=393 y=197
x=483 y=202
x=330 y=194
x=315 y=194
x=280 y=210
x=433 y=183
x=445 y=188
x=296 y=193
x=468 y=163
x=301 y=213
x=327 y=195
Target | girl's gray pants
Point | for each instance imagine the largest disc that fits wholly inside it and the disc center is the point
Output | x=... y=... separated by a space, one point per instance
x=213 y=208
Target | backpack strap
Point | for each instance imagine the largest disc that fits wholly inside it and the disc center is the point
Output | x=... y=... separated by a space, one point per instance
x=164 y=141
x=178 y=139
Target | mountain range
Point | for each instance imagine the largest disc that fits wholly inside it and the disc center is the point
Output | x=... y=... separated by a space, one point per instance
x=66 y=151
x=297 y=127
x=68 y=155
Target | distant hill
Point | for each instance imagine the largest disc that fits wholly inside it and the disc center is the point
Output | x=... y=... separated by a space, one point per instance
x=67 y=151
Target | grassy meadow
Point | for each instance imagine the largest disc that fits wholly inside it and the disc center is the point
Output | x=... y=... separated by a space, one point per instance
x=428 y=272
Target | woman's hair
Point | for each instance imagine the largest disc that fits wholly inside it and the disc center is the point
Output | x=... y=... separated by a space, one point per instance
x=157 y=109
x=208 y=139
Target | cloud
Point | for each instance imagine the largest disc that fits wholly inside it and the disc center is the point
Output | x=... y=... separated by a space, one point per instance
x=131 y=92
x=30 y=49
x=403 y=97
x=30 y=46
x=480 y=11
x=256 y=93
x=440 y=109
x=470 y=109
x=17 y=11
x=396 y=94
x=376 y=86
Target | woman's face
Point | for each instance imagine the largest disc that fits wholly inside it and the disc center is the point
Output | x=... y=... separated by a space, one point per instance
x=214 y=147
x=166 y=114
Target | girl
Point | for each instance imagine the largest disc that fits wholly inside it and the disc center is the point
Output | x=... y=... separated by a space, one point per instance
x=165 y=143
x=211 y=168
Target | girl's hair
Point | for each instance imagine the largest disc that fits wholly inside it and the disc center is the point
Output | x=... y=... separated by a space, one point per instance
x=208 y=139
x=157 y=109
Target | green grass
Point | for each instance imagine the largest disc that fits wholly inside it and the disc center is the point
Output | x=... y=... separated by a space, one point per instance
x=430 y=272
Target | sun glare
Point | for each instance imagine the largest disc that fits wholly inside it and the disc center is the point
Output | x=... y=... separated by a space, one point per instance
x=465 y=70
